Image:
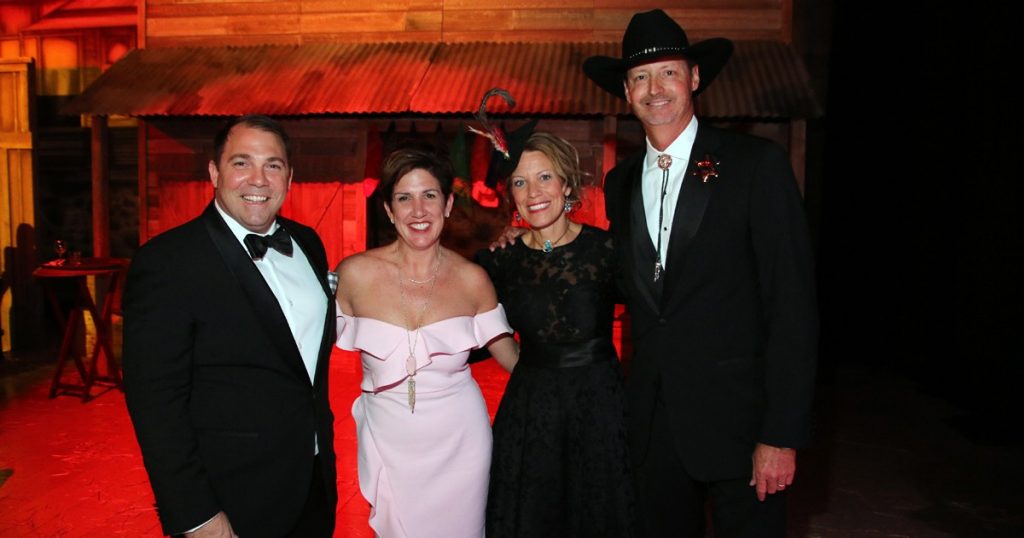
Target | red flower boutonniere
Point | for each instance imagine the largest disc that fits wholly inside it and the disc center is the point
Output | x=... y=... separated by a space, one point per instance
x=706 y=168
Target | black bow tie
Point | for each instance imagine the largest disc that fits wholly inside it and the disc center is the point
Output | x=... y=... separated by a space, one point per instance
x=279 y=241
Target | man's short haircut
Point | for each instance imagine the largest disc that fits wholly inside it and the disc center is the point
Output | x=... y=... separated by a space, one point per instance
x=255 y=121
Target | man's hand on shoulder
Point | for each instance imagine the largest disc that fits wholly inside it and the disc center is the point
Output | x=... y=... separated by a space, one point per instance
x=218 y=527
x=774 y=469
x=508 y=237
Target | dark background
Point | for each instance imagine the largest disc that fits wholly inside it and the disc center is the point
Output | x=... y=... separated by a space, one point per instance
x=919 y=236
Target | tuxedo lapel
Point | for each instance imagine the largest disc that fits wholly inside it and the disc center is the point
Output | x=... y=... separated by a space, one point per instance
x=636 y=236
x=261 y=298
x=690 y=206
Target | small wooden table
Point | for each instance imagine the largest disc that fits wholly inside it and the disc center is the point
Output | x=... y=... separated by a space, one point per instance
x=115 y=269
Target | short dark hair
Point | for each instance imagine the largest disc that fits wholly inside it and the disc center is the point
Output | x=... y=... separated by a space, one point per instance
x=256 y=121
x=404 y=160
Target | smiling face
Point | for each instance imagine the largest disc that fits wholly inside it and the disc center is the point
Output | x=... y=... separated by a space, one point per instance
x=418 y=208
x=661 y=96
x=538 y=191
x=252 y=177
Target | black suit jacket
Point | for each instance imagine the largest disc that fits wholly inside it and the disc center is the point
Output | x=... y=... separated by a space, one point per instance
x=221 y=402
x=730 y=344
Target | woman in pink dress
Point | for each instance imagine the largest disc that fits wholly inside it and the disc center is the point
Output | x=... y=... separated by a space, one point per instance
x=415 y=310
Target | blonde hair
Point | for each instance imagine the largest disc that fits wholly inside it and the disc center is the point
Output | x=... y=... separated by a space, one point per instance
x=565 y=160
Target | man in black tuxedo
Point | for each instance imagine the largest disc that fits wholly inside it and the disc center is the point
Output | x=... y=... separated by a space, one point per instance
x=716 y=266
x=229 y=324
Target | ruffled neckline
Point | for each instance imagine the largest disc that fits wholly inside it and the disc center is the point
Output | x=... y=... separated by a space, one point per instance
x=389 y=343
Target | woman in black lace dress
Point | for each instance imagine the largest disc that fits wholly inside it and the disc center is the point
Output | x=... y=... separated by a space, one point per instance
x=559 y=465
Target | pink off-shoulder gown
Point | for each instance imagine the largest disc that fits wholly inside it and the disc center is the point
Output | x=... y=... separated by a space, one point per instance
x=424 y=473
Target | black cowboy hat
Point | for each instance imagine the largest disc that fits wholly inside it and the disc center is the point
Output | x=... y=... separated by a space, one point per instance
x=651 y=36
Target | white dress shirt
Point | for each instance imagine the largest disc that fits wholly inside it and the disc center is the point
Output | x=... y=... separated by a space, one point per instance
x=297 y=290
x=679 y=150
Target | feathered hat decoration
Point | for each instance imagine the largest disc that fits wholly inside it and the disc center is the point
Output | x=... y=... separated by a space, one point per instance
x=493 y=132
x=509 y=146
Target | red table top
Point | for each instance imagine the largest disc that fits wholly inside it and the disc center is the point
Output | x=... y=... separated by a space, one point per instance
x=86 y=267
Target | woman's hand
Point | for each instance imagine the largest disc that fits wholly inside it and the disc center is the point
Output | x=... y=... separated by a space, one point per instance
x=508 y=237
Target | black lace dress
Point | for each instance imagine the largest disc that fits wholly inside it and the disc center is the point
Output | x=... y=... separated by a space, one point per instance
x=559 y=465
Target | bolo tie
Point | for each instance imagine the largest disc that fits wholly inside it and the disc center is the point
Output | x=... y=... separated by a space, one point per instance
x=664 y=162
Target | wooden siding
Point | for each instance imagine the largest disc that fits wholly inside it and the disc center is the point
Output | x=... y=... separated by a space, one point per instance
x=21 y=309
x=218 y=22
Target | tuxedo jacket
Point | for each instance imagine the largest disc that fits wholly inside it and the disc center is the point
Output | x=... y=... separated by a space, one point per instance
x=727 y=340
x=223 y=407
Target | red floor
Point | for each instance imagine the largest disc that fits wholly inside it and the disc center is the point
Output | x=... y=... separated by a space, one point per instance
x=77 y=469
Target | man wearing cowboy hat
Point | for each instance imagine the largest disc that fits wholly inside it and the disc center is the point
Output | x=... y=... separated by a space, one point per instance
x=716 y=266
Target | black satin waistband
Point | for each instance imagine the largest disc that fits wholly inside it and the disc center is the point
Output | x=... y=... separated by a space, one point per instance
x=543 y=355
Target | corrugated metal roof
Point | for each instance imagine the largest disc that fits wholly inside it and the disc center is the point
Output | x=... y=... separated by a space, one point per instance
x=544 y=78
x=324 y=78
x=763 y=80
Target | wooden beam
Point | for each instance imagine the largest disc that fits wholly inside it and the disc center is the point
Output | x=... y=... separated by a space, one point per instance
x=143 y=181
x=100 y=146
x=798 y=150
x=786 y=32
x=16 y=140
x=609 y=146
x=141 y=28
x=245 y=22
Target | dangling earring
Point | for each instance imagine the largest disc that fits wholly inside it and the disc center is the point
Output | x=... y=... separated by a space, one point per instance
x=568 y=206
x=517 y=217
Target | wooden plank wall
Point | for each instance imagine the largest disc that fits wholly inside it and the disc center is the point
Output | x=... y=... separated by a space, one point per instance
x=21 y=307
x=219 y=22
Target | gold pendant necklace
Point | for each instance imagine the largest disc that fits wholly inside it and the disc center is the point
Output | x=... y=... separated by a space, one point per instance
x=412 y=336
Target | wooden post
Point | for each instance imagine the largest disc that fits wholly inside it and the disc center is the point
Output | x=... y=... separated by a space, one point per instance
x=140 y=26
x=798 y=150
x=609 y=146
x=143 y=180
x=100 y=187
x=786 y=17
